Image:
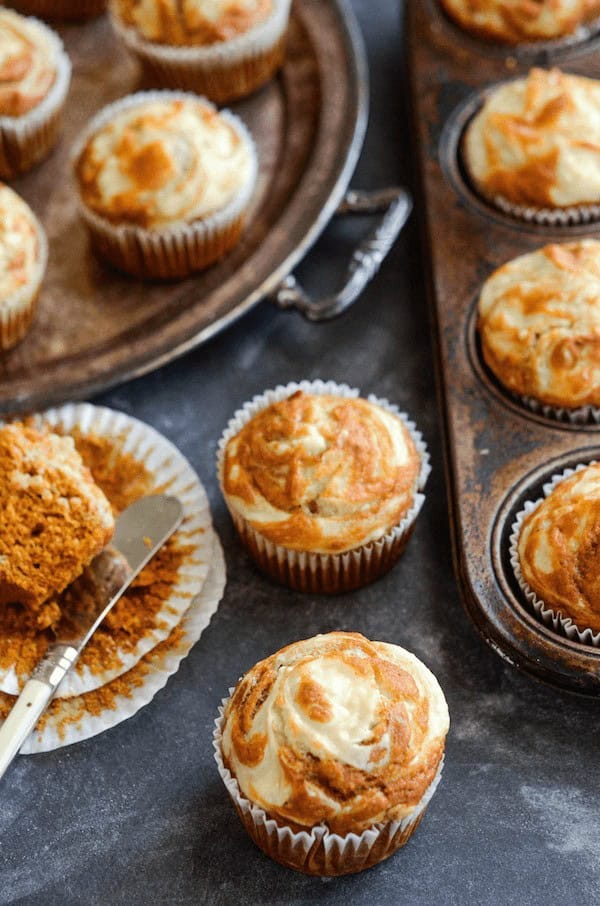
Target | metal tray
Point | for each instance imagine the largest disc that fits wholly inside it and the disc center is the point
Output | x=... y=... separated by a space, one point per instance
x=95 y=328
x=498 y=453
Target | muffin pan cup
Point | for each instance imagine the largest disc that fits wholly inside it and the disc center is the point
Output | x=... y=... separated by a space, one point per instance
x=499 y=451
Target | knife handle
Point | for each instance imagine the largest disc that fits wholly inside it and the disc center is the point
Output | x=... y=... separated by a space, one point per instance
x=33 y=700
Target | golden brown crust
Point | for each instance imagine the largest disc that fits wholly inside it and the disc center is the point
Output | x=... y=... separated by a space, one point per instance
x=558 y=549
x=539 y=323
x=520 y=21
x=282 y=738
x=27 y=67
x=321 y=473
x=188 y=23
x=54 y=518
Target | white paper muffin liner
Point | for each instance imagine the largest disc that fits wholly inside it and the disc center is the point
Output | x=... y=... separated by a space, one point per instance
x=180 y=248
x=70 y=723
x=318 y=851
x=552 y=618
x=25 y=140
x=582 y=415
x=574 y=215
x=325 y=572
x=172 y=474
x=224 y=71
x=17 y=311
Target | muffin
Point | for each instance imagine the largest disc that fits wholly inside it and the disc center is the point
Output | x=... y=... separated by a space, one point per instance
x=323 y=487
x=165 y=182
x=63 y=10
x=331 y=749
x=535 y=145
x=35 y=73
x=539 y=324
x=224 y=49
x=54 y=517
x=521 y=21
x=556 y=542
x=23 y=256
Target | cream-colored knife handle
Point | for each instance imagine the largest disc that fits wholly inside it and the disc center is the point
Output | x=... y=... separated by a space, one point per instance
x=33 y=701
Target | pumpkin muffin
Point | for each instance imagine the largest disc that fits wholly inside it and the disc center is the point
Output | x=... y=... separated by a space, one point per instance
x=557 y=549
x=535 y=144
x=539 y=324
x=323 y=486
x=224 y=49
x=35 y=73
x=328 y=740
x=55 y=519
x=164 y=181
x=23 y=256
x=521 y=21
x=62 y=10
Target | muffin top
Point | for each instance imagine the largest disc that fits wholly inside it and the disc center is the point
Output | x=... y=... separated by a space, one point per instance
x=539 y=323
x=536 y=141
x=336 y=730
x=558 y=548
x=321 y=473
x=191 y=22
x=20 y=253
x=27 y=63
x=54 y=517
x=516 y=21
x=164 y=161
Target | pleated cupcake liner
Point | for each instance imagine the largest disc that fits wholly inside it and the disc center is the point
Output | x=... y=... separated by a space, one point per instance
x=18 y=311
x=25 y=140
x=180 y=249
x=224 y=71
x=582 y=415
x=62 y=10
x=320 y=572
x=550 y=617
x=318 y=851
x=573 y=215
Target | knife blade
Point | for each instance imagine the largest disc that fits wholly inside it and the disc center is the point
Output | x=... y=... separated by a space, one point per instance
x=140 y=531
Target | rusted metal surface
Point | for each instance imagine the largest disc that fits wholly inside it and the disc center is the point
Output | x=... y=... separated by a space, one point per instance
x=94 y=327
x=498 y=453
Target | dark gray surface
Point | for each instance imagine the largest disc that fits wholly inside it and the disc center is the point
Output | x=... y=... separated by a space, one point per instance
x=139 y=815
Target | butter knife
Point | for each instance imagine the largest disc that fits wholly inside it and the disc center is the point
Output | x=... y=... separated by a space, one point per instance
x=140 y=531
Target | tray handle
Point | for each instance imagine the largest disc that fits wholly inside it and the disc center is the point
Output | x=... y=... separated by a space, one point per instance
x=367 y=257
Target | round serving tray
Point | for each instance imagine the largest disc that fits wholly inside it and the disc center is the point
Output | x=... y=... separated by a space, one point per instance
x=96 y=328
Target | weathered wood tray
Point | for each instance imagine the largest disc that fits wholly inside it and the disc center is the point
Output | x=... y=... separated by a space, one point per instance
x=95 y=328
x=498 y=453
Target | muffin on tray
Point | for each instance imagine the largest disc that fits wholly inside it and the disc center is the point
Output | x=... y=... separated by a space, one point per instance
x=521 y=21
x=533 y=149
x=323 y=487
x=165 y=182
x=54 y=517
x=224 y=49
x=35 y=74
x=23 y=257
x=62 y=10
x=539 y=324
x=331 y=749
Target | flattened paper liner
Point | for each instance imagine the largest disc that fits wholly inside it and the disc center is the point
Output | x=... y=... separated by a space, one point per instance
x=70 y=721
x=318 y=851
x=172 y=475
x=547 y=615
x=315 y=572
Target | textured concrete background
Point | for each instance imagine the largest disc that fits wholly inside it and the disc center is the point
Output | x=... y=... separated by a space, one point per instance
x=139 y=815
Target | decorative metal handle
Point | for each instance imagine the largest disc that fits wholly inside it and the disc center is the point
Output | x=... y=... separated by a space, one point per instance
x=366 y=258
x=33 y=701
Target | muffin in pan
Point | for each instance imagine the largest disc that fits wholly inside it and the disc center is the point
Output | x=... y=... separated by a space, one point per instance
x=554 y=551
x=165 y=182
x=224 y=49
x=539 y=324
x=323 y=487
x=533 y=149
x=521 y=21
x=35 y=74
x=331 y=749
x=23 y=257
x=62 y=10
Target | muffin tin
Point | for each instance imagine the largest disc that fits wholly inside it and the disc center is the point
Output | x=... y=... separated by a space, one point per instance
x=499 y=452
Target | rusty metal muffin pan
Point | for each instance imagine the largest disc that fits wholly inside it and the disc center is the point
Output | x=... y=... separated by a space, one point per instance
x=499 y=453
